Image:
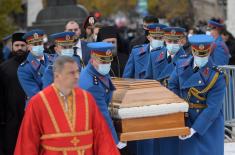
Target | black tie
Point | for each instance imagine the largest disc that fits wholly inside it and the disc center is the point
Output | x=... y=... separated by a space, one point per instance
x=75 y=50
x=169 y=59
x=195 y=69
x=42 y=62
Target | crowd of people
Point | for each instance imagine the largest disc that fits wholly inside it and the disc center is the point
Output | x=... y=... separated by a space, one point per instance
x=56 y=89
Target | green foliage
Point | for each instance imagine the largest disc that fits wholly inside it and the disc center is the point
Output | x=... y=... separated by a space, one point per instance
x=161 y=8
x=7 y=7
x=107 y=7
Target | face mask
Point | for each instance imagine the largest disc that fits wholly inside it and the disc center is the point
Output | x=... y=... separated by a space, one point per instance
x=208 y=33
x=38 y=50
x=104 y=69
x=67 y=52
x=190 y=35
x=156 y=43
x=173 y=48
x=200 y=61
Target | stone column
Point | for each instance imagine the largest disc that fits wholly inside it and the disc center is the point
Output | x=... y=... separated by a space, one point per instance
x=231 y=16
x=34 y=6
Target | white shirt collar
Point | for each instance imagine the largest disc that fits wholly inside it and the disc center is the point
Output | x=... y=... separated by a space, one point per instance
x=194 y=64
x=168 y=54
x=150 y=48
x=41 y=58
x=78 y=45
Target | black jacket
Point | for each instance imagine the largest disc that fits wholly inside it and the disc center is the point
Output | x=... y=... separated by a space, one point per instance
x=12 y=104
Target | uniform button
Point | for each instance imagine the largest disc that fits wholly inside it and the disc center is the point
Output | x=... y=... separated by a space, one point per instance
x=198 y=101
x=106 y=90
x=96 y=82
x=197 y=110
x=199 y=81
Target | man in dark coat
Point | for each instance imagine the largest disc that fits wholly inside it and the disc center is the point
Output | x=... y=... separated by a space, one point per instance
x=230 y=42
x=142 y=39
x=12 y=96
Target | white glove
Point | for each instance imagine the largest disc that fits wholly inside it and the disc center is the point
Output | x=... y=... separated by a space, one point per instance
x=192 y=132
x=121 y=145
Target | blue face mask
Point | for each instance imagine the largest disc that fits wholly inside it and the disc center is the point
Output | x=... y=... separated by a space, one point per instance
x=200 y=61
x=67 y=52
x=104 y=69
x=37 y=50
x=156 y=43
x=173 y=48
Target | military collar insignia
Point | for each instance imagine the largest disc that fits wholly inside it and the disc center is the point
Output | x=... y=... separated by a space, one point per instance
x=206 y=71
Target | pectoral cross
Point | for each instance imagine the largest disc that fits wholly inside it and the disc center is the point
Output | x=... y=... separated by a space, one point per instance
x=75 y=141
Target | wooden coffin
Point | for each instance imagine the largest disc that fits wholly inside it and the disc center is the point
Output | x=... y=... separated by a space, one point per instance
x=132 y=93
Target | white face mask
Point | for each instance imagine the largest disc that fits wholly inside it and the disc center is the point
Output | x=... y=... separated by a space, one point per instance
x=156 y=43
x=37 y=50
x=189 y=35
x=173 y=48
x=104 y=69
x=208 y=33
x=201 y=61
x=67 y=52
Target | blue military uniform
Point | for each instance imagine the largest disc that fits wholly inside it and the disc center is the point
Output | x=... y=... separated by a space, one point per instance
x=30 y=72
x=136 y=66
x=100 y=86
x=6 y=51
x=220 y=54
x=162 y=65
x=64 y=39
x=203 y=88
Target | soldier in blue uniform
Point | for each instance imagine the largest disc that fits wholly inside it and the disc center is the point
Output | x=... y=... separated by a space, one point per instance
x=95 y=79
x=138 y=67
x=159 y=47
x=220 y=53
x=161 y=65
x=202 y=85
x=162 y=60
x=30 y=72
x=64 y=43
x=137 y=64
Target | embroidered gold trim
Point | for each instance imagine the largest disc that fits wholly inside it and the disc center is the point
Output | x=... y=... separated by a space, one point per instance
x=195 y=92
x=81 y=152
x=52 y=117
x=67 y=134
x=87 y=110
x=63 y=149
x=63 y=108
x=74 y=111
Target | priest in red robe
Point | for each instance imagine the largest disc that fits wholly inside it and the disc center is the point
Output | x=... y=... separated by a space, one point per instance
x=63 y=119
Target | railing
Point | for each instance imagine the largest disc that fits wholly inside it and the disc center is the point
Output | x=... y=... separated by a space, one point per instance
x=229 y=104
x=229 y=100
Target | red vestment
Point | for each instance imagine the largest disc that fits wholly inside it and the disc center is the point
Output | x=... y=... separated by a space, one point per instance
x=47 y=130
